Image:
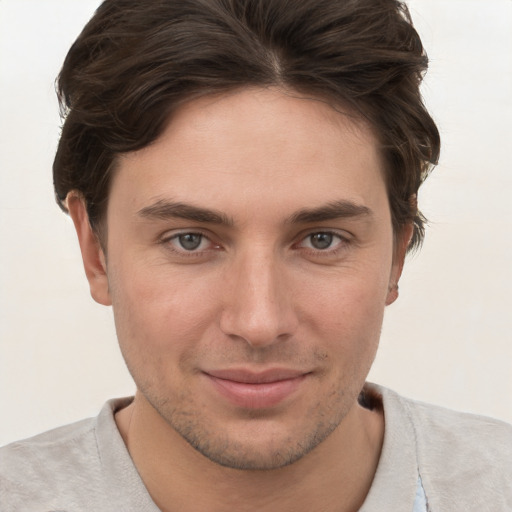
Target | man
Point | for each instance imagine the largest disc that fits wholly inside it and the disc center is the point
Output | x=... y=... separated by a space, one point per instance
x=242 y=176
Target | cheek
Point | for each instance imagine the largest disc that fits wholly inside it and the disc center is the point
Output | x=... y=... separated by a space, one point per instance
x=346 y=297
x=347 y=313
x=158 y=309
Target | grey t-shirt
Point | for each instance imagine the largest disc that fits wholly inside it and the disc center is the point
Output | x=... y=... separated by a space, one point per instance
x=80 y=467
x=86 y=466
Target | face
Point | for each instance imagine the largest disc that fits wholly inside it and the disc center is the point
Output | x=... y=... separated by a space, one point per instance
x=249 y=261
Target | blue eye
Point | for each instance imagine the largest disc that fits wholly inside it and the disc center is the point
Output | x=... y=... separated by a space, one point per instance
x=324 y=243
x=189 y=241
x=321 y=241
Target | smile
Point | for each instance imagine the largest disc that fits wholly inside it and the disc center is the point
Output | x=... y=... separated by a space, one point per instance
x=256 y=390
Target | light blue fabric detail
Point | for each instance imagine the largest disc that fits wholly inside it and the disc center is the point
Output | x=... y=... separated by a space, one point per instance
x=420 y=502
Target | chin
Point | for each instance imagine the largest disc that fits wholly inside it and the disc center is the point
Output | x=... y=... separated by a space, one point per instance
x=256 y=443
x=251 y=456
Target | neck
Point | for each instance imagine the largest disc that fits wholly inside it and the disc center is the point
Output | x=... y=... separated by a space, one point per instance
x=335 y=476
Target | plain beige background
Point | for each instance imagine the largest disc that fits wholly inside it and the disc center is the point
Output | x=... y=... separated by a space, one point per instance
x=448 y=340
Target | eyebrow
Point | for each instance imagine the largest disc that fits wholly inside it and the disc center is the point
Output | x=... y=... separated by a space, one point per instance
x=334 y=210
x=164 y=210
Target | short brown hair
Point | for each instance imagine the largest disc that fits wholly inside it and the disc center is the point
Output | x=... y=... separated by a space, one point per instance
x=137 y=60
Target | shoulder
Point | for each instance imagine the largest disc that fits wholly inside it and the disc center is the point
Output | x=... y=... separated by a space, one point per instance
x=462 y=458
x=38 y=469
x=64 y=468
x=49 y=445
x=446 y=433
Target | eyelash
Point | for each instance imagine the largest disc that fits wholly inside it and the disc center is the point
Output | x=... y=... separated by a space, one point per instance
x=344 y=241
x=167 y=241
x=329 y=251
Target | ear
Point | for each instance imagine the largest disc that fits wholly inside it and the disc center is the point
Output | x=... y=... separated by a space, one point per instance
x=401 y=243
x=92 y=254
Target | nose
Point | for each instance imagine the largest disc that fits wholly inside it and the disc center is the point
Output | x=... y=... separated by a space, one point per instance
x=258 y=306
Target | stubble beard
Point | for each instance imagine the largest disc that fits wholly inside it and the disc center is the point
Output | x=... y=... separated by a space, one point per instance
x=218 y=447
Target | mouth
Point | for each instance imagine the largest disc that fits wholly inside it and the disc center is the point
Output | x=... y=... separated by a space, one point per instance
x=256 y=390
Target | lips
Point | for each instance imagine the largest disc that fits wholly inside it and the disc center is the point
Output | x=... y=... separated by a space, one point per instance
x=256 y=390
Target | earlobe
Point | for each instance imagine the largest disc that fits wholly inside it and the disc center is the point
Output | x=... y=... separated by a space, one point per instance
x=402 y=243
x=392 y=293
x=92 y=254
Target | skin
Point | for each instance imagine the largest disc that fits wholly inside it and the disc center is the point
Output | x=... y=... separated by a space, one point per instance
x=295 y=262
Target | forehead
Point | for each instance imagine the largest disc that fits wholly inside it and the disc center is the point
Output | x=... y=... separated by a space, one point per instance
x=252 y=147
